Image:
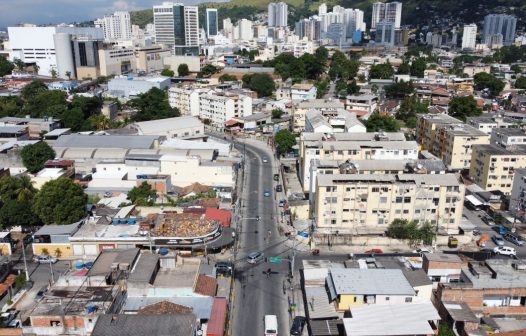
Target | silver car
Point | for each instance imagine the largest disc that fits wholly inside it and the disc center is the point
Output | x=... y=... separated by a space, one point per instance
x=498 y=240
x=255 y=257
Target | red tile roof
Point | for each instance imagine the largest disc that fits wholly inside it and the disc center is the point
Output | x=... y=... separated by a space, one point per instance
x=223 y=216
x=205 y=285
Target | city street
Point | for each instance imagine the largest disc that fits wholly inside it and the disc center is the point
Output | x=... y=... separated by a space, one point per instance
x=257 y=293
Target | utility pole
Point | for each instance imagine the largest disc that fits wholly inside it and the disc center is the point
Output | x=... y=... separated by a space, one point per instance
x=25 y=261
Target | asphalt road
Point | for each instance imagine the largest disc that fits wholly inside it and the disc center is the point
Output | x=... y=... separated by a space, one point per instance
x=257 y=294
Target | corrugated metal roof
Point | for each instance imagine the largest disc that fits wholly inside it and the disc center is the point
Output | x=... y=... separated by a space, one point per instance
x=157 y=127
x=369 y=282
x=106 y=141
x=326 y=327
x=318 y=305
x=216 y=324
x=140 y=325
x=51 y=229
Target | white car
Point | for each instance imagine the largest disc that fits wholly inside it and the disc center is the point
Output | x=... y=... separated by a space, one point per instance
x=505 y=250
x=265 y=160
x=44 y=259
x=423 y=249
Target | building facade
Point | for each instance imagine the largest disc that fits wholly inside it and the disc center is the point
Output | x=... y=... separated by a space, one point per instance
x=500 y=24
x=116 y=27
x=277 y=14
x=469 y=37
x=387 y=12
x=211 y=22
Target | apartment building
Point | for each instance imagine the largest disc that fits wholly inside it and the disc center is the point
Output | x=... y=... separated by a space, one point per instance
x=218 y=107
x=116 y=26
x=185 y=99
x=352 y=146
x=303 y=91
x=300 y=109
x=508 y=137
x=352 y=203
x=449 y=139
x=493 y=167
x=386 y=12
x=488 y=122
x=361 y=103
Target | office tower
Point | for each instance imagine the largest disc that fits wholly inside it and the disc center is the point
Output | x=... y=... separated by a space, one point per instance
x=500 y=24
x=211 y=22
x=322 y=9
x=385 y=33
x=176 y=25
x=116 y=27
x=309 y=28
x=245 y=31
x=469 y=36
x=277 y=14
x=387 y=12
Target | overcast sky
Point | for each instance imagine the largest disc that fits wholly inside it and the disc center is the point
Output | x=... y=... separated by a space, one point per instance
x=65 y=11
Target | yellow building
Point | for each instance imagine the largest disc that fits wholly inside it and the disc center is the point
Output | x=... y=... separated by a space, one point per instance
x=493 y=167
x=449 y=139
x=350 y=204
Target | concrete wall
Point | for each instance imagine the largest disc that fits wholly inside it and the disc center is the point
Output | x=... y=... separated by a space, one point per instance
x=173 y=62
x=52 y=248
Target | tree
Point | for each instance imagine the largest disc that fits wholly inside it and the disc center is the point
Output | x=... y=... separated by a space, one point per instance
x=463 y=107
x=6 y=67
x=516 y=68
x=262 y=83
x=99 y=122
x=445 y=330
x=418 y=67
x=15 y=213
x=183 y=70
x=322 y=54
x=484 y=80
x=167 y=73
x=208 y=70
x=377 y=123
x=381 y=71
x=60 y=201
x=285 y=140
x=277 y=113
x=227 y=78
x=399 y=89
x=32 y=89
x=20 y=65
x=54 y=73
x=73 y=119
x=88 y=105
x=410 y=107
x=36 y=68
x=353 y=88
x=34 y=156
x=16 y=189
x=520 y=83
x=152 y=105
x=404 y=69
x=68 y=74
x=142 y=195
x=410 y=230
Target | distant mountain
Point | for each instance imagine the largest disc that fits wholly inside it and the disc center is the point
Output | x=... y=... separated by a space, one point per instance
x=435 y=13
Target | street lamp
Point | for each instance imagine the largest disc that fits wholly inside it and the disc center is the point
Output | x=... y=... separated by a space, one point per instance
x=25 y=261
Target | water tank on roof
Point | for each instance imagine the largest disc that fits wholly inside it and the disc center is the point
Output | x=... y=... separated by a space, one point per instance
x=89 y=265
x=163 y=251
x=79 y=265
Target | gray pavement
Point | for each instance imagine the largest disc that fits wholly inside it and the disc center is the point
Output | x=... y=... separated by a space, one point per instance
x=257 y=294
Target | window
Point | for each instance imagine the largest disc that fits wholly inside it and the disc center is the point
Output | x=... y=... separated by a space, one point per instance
x=408 y=299
x=406 y=211
x=387 y=298
x=383 y=200
x=399 y=199
x=407 y=199
x=376 y=189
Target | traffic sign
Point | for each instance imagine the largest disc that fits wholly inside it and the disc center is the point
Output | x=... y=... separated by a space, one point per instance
x=275 y=259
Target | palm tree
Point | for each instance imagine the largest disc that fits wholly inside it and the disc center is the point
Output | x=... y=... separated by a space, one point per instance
x=100 y=122
x=20 y=65
x=53 y=73
x=68 y=74
x=25 y=190
x=36 y=68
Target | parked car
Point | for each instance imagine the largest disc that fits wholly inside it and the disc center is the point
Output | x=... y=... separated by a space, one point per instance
x=498 y=240
x=298 y=323
x=488 y=220
x=44 y=259
x=223 y=268
x=501 y=229
x=505 y=250
x=374 y=251
x=282 y=203
x=476 y=231
x=276 y=177
x=255 y=257
x=517 y=240
x=266 y=193
x=423 y=249
x=279 y=188
x=40 y=293
x=265 y=160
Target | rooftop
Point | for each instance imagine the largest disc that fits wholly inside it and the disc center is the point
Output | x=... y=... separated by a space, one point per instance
x=495 y=273
x=182 y=225
x=182 y=276
x=417 y=179
x=391 y=320
x=140 y=325
x=368 y=282
x=106 y=141
x=108 y=257
x=341 y=137
x=300 y=86
x=443 y=257
x=144 y=269
x=157 y=127
x=319 y=104
x=200 y=305
x=497 y=150
x=52 y=229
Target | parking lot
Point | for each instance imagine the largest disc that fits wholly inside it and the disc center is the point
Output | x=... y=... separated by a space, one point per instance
x=475 y=217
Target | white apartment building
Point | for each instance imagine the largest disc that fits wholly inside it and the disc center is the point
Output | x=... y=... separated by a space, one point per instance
x=305 y=91
x=244 y=30
x=469 y=36
x=277 y=14
x=304 y=46
x=508 y=137
x=191 y=26
x=500 y=24
x=367 y=204
x=387 y=12
x=352 y=146
x=219 y=107
x=488 y=122
x=116 y=27
x=186 y=100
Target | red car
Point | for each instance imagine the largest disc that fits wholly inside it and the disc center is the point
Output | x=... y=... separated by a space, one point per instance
x=374 y=251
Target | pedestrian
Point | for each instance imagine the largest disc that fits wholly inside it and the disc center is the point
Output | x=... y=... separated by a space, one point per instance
x=268 y=272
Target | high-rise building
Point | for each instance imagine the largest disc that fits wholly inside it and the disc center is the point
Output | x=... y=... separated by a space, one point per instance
x=245 y=31
x=211 y=22
x=177 y=25
x=469 y=36
x=116 y=27
x=387 y=12
x=322 y=9
x=277 y=14
x=309 y=28
x=385 y=33
x=500 y=24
